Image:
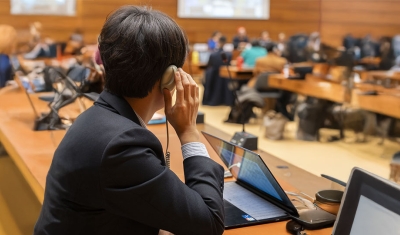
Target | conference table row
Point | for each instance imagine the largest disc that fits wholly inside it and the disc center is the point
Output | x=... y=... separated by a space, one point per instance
x=385 y=101
x=32 y=152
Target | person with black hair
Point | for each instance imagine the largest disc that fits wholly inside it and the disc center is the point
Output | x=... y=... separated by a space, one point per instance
x=216 y=88
x=109 y=175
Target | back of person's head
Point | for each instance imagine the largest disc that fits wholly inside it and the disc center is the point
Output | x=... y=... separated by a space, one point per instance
x=137 y=45
x=270 y=47
x=255 y=43
x=222 y=40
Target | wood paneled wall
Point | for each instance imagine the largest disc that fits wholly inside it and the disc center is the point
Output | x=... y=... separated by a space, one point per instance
x=287 y=16
x=359 y=17
x=334 y=18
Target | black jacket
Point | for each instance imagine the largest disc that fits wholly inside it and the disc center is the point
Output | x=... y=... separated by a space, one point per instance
x=108 y=176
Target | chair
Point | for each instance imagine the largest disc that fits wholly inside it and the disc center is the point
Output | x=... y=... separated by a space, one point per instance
x=267 y=93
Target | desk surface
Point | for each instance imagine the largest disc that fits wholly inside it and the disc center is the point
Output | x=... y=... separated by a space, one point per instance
x=33 y=151
x=312 y=86
x=243 y=73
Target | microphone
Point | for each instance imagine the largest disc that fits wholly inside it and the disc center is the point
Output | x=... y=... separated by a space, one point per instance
x=242 y=139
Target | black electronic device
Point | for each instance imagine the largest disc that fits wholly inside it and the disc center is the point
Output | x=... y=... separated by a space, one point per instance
x=370 y=205
x=315 y=218
x=255 y=196
x=243 y=139
x=293 y=227
x=200 y=117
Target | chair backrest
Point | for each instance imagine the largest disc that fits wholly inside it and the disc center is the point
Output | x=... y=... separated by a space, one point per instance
x=262 y=82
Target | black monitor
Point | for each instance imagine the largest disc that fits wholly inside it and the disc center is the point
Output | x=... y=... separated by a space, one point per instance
x=371 y=206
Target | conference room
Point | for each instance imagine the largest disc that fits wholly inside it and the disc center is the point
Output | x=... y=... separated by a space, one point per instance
x=252 y=117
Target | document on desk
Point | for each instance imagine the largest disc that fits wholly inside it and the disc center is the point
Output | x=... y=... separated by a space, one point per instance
x=254 y=205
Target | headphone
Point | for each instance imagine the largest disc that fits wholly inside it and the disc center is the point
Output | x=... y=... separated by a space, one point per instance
x=168 y=82
x=168 y=78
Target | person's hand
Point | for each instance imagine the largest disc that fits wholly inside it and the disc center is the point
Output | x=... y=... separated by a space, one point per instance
x=183 y=114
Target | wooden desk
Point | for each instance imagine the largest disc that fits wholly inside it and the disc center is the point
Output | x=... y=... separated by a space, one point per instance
x=387 y=103
x=312 y=86
x=33 y=151
x=384 y=104
x=236 y=73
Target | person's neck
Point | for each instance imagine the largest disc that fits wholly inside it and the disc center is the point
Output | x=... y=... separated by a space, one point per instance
x=143 y=107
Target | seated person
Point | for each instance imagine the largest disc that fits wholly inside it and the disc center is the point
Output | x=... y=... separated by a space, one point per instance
x=265 y=39
x=314 y=52
x=109 y=174
x=216 y=88
x=240 y=40
x=75 y=43
x=213 y=41
x=41 y=46
x=282 y=45
x=250 y=55
x=272 y=62
x=7 y=44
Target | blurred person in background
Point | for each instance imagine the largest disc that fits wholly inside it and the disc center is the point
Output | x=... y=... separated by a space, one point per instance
x=216 y=89
x=7 y=47
x=250 y=55
x=272 y=62
x=75 y=43
x=213 y=41
x=240 y=40
x=281 y=45
x=40 y=45
x=265 y=39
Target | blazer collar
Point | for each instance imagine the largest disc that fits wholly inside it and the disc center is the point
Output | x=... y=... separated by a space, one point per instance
x=117 y=104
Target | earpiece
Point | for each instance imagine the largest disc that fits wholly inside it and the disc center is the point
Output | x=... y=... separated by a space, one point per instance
x=168 y=79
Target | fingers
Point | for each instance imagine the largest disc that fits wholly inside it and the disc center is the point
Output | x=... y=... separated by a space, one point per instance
x=167 y=100
x=185 y=83
x=179 y=87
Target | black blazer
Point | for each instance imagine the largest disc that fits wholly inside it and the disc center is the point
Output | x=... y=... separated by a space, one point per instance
x=216 y=88
x=108 y=176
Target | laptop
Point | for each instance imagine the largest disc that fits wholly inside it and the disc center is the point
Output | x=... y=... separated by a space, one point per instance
x=255 y=197
x=371 y=206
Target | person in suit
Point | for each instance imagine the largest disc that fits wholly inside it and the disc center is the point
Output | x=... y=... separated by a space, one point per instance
x=265 y=39
x=240 y=40
x=216 y=88
x=108 y=175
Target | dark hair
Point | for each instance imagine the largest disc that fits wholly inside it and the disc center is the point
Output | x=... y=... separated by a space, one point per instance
x=137 y=44
x=270 y=47
x=222 y=40
x=255 y=43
